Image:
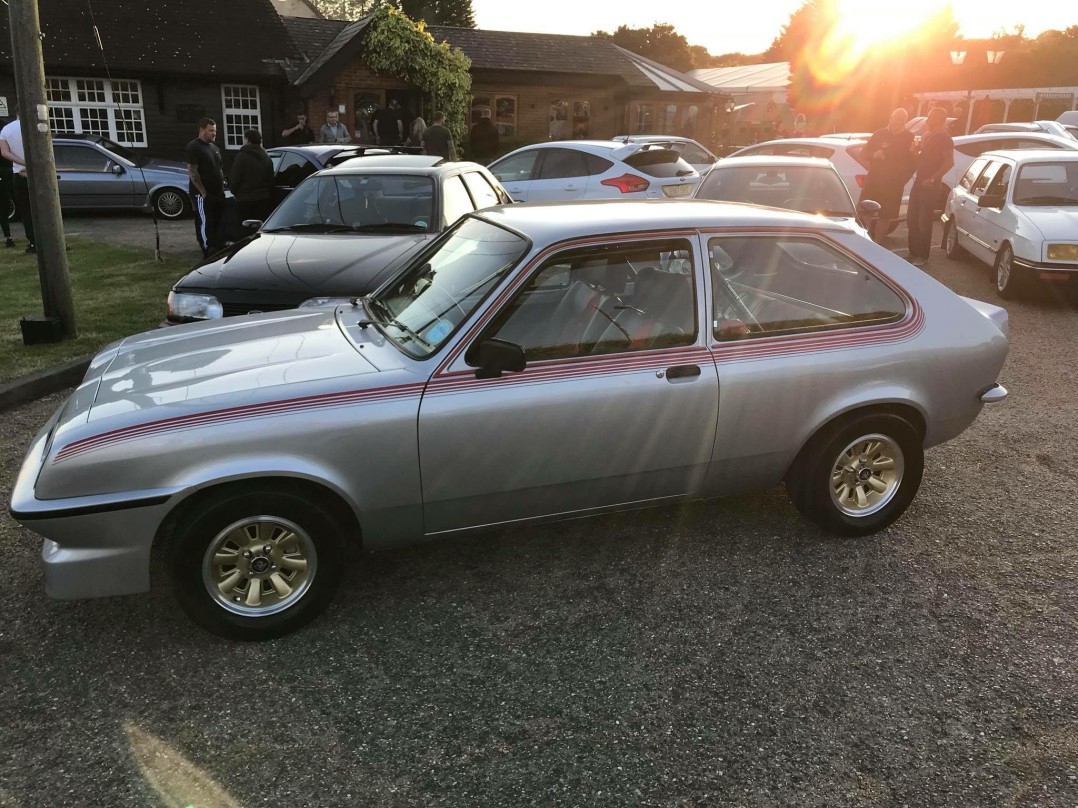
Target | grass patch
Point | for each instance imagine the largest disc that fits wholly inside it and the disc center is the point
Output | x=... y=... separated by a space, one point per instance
x=118 y=291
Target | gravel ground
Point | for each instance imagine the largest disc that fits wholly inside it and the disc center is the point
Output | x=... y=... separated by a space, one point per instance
x=722 y=653
x=133 y=229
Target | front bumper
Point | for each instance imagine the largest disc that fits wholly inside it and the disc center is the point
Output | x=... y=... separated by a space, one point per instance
x=1044 y=266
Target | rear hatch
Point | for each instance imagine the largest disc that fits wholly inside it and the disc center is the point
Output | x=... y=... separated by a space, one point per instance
x=666 y=170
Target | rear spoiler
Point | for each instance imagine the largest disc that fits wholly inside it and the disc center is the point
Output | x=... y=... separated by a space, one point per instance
x=632 y=147
x=360 y=151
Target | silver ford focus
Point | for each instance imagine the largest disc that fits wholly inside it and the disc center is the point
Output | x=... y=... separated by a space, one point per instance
x=535 y=362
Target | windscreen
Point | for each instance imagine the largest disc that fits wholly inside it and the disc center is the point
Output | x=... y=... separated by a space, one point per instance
x=358 y=202
x=810 y=189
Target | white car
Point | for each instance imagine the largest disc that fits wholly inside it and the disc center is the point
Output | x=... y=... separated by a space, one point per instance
x=695 y=154
x=567 y=170
x=806 y=184
x=1017 y=211
x=1046 y=127
x=843 y=155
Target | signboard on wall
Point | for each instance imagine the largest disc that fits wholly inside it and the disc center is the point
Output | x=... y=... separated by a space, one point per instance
x=189 y=113
x=3 y=107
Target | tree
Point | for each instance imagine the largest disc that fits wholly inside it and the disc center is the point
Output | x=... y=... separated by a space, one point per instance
x=457 y=13
x=345 y=9
x=660 y=43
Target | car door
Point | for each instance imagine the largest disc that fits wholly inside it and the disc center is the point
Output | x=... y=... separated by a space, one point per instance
x=977 y=232
x=88 y=178
x=993 y=225
x=562 y=176
x=963 y=205
x=516 y=172
x=617 y=404
x=293 y=169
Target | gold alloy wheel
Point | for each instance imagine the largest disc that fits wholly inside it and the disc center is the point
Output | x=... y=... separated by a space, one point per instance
x=259 y=566
x=866 y=475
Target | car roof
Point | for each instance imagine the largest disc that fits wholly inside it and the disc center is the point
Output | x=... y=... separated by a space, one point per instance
x=774 y=160
x=548 y=222
x=419 y=164
x=1034 y=155
x=1039 y=134
x=829 y=142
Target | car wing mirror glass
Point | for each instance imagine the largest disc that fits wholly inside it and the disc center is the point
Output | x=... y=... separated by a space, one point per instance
x=252 y=224
x=492 y=357
x=868 y=207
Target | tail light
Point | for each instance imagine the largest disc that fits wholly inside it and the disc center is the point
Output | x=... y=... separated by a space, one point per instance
x=860 y=180
x=628 y=183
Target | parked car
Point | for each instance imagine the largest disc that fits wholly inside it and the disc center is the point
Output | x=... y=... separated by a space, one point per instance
x=293 y=164
x=535 y=362
x=843 y=155
x=566 y=170
x=806 y=184
x=338 y=235
x=919 y=125
x=1047 y=127
x=93 y=173
x=847 y=136
x=698 y=156
x=1017 y=211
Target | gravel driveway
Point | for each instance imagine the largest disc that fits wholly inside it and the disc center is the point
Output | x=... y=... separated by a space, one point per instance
x=134 y=229
x=722 y=653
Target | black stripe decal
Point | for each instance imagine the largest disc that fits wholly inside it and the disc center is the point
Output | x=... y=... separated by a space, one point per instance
x=86 y=510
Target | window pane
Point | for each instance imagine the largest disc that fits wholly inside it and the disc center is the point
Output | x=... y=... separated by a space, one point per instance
x=515 y=168
x=57 y=90
x=90 y=91
x=455 y=200
x=62 y=120
x=80 y=158
x=558 y=163
x=600 y=301
x=774 y=284
x=94 y=120
x=483 y=193
x=293 y=170
x=559 y=120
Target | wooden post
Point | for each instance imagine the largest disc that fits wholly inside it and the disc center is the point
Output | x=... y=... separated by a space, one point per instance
x=40 y=164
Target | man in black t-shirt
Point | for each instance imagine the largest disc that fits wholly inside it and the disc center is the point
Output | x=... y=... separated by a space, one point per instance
x=299 y=133
x=387 y=125
x=935 y=157
x=890 y=165
x=207 y=186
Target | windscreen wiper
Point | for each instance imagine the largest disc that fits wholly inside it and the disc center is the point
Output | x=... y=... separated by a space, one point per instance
x=312 y=227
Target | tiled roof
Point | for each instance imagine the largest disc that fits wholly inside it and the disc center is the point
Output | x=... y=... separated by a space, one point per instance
x=336 y=54
x=312 y=36
x=237 y=38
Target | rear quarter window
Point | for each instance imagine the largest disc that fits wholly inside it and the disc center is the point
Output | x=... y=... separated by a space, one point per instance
x=660 y=163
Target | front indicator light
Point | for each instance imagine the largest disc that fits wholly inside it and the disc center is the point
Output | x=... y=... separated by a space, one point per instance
x=1063 y=252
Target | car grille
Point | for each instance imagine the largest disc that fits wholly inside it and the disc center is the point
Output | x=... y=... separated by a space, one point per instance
x=238 y=309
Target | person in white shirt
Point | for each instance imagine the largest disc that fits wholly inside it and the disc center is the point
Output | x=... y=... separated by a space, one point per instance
x=11 y=148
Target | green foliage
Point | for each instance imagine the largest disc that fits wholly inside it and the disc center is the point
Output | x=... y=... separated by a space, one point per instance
x=660 y=43
x=118 y=291
x=397 y=46
x=458 y=13
x=344 y=9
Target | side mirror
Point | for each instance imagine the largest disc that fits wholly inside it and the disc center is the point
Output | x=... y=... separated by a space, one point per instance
x=252 y=224
x=116 y=168
x=869 y=208
x=990 y=201
x=492 y=357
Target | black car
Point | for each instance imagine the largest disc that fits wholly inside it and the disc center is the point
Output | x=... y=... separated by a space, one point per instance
x=339 y=234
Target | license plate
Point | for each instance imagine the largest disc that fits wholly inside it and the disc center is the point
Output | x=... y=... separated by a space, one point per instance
x=683 y=189
x=1047 y=275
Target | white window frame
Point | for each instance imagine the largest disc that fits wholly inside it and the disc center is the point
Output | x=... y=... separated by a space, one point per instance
x=239 y=119
x=120 y=99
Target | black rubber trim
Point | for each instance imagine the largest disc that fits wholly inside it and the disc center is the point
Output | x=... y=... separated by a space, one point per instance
x=87 y=510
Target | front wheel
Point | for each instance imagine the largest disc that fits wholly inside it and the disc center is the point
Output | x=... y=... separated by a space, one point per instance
x=256 y=565
x=171 y=203
x=859 y=476
x=1008 y=277
x=951 y=247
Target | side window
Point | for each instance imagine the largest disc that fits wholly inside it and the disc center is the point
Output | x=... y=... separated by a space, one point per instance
x=973 y=149
x=986 y=177
x=693 y=153
x=517 y=168
x=80 y=158
x=293 y=170
x=786 y=284
x=559 y=163
x=483 y=192
x=1002 y=183
x=602 y=300
x=275 y=160
x=455 y=200
x=1032 y=143
x=596 y=164
x=972 y=173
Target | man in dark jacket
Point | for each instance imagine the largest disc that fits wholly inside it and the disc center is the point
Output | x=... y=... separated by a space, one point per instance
x=483 y=140
x=251 y=179
x=437 y=139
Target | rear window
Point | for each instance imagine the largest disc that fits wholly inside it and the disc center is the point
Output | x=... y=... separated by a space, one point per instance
x=660 y=163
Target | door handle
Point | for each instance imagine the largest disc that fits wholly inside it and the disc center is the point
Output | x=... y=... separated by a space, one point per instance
x=682 y=371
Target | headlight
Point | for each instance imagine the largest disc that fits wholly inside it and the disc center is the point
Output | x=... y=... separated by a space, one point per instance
x=1063 y=252
x=185 y=307
x=326 y=302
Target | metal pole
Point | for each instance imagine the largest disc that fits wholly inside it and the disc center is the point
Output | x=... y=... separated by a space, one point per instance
x=40 y=165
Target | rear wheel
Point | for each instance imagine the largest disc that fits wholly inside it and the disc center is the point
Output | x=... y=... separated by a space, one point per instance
x=171 y=203
x=256 y=565
x=951 y=246
x=1008 y=276
x=858 y=476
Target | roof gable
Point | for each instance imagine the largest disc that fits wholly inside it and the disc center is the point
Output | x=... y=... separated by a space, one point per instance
x=226 y=38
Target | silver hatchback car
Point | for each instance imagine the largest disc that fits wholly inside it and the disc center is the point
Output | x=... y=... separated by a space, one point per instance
x=535 y=362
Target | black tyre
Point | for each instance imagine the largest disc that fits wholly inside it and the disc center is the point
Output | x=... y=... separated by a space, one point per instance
x=256 y=565
x=858 y=476
x=951 y=247
x=172 y=203
x=1009 y=279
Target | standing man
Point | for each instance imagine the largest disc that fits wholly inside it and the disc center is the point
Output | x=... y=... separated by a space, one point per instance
x=437 y=139
x=299 y=134
x=935 y=158
x=333 y=131
x=483 y=139
x=251 y=179
x=207 y=182
x=889 y=161
x=11 y=149
x=388 y=129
